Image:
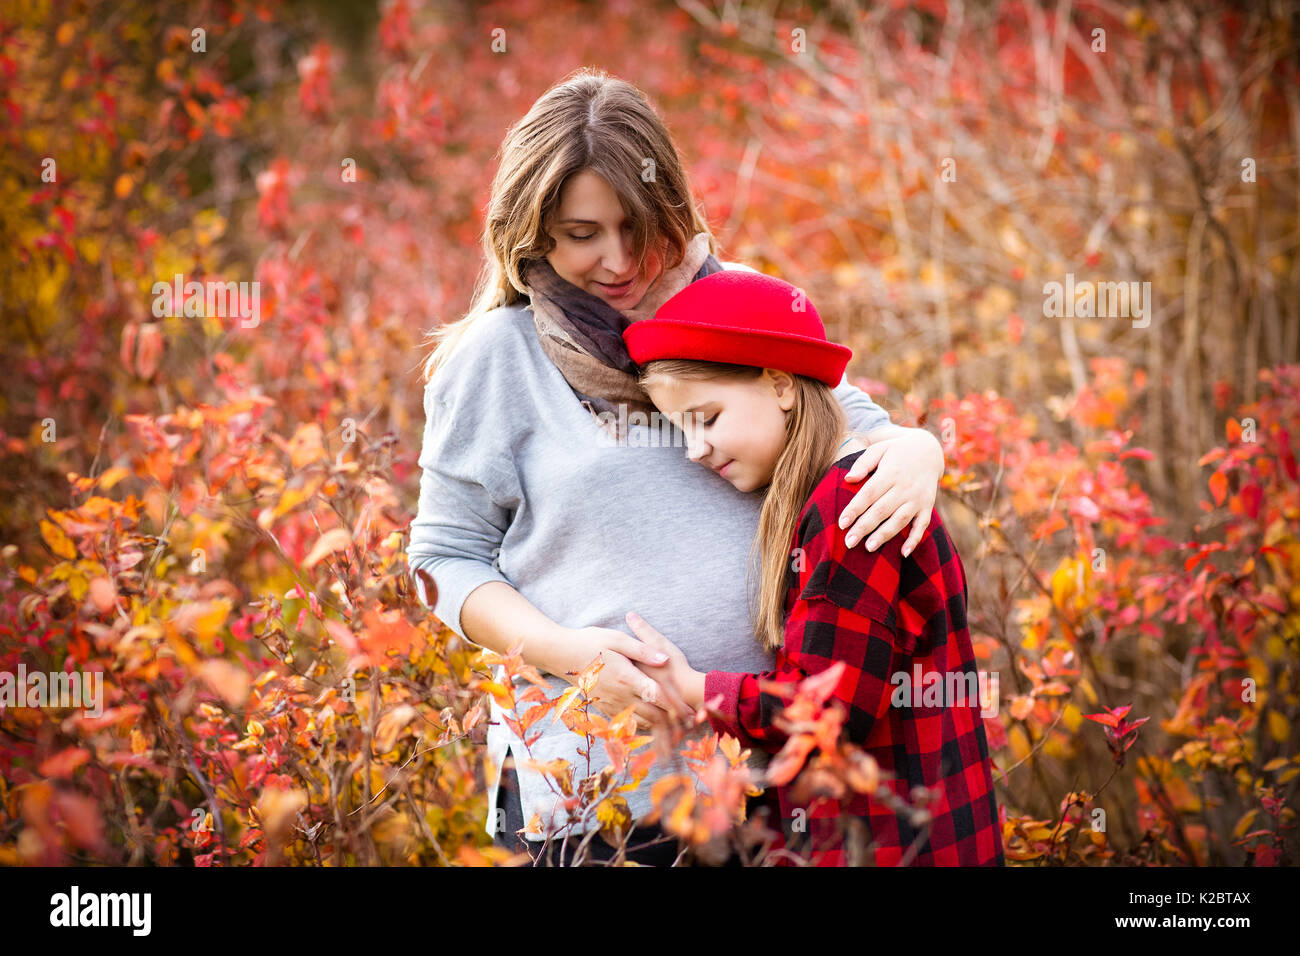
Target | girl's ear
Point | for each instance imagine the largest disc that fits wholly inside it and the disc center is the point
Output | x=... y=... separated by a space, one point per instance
x=783 y=385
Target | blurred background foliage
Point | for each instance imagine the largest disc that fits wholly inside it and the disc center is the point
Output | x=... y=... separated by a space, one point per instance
x=214 y=515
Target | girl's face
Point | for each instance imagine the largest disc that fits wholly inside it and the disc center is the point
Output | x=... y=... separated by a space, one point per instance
x=736 y=428
x=593 y=244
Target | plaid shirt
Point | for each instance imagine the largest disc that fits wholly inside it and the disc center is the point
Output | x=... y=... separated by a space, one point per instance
x=882 y=615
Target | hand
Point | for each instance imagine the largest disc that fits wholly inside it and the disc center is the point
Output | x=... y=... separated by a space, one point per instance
x=908 y=463
x=677 y=674
x=622 y=681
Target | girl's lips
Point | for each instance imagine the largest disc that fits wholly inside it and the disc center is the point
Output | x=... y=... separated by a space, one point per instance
x=723 y=470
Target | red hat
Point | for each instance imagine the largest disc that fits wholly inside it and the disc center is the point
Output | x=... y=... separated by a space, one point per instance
x=745 y=318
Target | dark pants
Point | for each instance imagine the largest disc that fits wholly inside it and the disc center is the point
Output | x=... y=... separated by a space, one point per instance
x=657 y=853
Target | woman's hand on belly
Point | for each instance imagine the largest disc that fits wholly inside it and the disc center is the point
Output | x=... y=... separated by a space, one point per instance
x=625 y=677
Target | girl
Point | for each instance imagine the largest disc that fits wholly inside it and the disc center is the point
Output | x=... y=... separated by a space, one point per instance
x=740 y=361
x=532 y=524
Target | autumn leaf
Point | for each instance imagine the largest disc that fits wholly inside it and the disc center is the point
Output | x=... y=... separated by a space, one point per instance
x=391 y=725
x=58 y=541
x=64 y=763
x=228 y=681
x=336 y=539
x=615 y=819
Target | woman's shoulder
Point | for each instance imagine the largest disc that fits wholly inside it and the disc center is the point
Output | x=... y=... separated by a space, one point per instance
x=496 y=339
x=501 y=327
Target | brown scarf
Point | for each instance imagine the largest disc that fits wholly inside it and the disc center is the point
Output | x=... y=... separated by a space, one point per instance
x=583 y=335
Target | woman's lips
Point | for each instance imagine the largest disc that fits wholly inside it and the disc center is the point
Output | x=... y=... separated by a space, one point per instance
x=723 y=470
x=618 y=290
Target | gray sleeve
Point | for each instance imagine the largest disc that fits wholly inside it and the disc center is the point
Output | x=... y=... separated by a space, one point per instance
x=468 y=492
x=863 y=414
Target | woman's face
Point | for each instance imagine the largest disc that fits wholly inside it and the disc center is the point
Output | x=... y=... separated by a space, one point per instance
x=593 y=243
x=736 y=428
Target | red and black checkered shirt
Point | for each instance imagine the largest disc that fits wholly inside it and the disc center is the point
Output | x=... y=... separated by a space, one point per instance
x=883 y=616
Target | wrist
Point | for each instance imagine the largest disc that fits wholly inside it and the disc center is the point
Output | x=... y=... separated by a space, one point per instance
x=568 y=651
x=693 y=692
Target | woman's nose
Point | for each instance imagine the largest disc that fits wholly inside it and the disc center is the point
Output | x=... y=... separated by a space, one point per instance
x=617 y=258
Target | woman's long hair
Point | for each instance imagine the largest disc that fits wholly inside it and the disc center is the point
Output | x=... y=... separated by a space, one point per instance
x=592 y=121
x=814 y=427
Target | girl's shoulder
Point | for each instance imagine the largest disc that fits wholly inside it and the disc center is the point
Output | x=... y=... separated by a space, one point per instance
x=821 y=512
x=865 y=582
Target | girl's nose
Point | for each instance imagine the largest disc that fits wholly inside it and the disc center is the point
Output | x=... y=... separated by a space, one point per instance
x=696 y=448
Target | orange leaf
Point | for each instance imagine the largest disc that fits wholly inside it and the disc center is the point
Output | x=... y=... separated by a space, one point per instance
x=63 y=763
x=229 y=681
x=336 y=539
x=1219 y=487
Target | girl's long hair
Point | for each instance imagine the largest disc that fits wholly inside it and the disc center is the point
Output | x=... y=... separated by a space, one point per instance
x=814 y=427
x=589 y=120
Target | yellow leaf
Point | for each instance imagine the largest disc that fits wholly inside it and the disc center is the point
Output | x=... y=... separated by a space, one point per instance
x=1279 y=727
x=1072 y=717
x=58 y=541
x=1019 y=742
x=112 y=476
x=296 y=493
x=78 y=585
x=615 y=818
x=1244 y=823
x=306 y=447
x=503 y=695
x=1088 y=691
x=123 y=186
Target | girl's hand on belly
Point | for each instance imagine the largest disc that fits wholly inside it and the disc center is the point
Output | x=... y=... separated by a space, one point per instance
x=621 y=682
x=678 y=675
x=908 y=463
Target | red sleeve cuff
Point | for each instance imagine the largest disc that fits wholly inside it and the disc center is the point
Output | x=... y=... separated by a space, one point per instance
x=726 y=684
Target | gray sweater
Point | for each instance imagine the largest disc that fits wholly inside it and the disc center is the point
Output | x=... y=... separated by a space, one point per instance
x=521 y=485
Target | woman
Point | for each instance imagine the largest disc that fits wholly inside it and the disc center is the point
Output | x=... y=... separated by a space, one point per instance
x=552 y=499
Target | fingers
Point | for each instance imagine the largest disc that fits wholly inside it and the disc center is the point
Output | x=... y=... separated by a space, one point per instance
x=867 y=497
x=652 y=646
x=865 y=463
x=921 y=522
x=896 y=523
x=635 y=650
x=886 y=505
